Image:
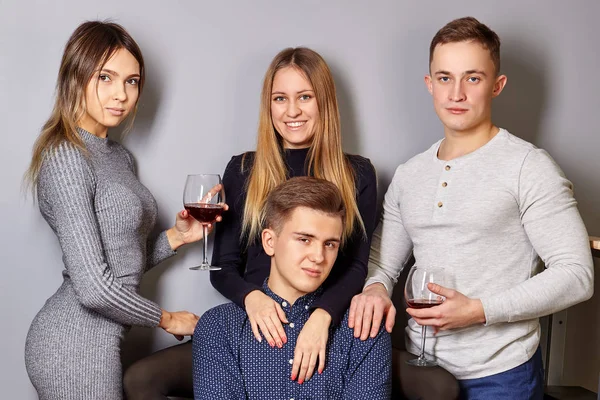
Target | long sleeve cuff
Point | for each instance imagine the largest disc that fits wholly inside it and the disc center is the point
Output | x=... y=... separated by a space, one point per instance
x=159 y=250
x=389 y=286
x=493 y=311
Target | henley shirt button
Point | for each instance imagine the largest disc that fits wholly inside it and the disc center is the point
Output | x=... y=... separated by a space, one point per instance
x=291 y=324
x=284 y=304
x=291 y=360
x=306 y=307
x=448 y=167
x=440 y=204
x=444 y=184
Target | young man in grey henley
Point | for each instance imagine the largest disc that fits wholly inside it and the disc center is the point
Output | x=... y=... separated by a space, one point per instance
x=497 y=213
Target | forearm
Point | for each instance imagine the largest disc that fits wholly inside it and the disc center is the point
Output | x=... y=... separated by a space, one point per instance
x=550 y=291
x=229 y=255
x=67 y=185
x=556 y=233
x=340 y=289
x=104 y=294
x=350 y=270
x=390 y=251
x=230 y=284
x=391 y=246
x=159 y=248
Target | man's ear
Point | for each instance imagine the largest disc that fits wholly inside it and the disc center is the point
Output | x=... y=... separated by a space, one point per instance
x=269 y=238
x=428 y=83
x=499 y=85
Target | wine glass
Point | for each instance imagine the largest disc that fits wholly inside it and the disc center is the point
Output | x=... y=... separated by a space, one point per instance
x=204 y=199
x=418 y=296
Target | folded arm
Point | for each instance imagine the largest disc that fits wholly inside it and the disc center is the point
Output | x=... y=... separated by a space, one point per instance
x=67 y=184
x=556 y=231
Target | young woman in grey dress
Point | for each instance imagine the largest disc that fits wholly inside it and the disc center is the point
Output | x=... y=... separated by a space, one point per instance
x=103 y=218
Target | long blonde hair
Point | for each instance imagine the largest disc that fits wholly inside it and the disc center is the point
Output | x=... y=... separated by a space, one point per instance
x=90 y=46
x=326 y=159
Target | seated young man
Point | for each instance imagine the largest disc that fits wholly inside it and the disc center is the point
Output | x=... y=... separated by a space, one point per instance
x=304 y=220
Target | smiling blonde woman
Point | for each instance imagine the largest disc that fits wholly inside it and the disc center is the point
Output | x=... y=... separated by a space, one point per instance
x=299 y=134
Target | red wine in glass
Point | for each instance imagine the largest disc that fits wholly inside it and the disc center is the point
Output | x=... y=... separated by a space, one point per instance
x=204 y=213
x=418 y=295
x=204 y=198
x=423 y=303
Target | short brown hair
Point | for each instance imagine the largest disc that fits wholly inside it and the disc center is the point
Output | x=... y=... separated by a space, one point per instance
x=303 y=191
x=468 y=29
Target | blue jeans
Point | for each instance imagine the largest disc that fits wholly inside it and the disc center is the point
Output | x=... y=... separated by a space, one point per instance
x=525 y=382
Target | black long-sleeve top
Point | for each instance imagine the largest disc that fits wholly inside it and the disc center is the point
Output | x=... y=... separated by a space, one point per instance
x=245 y=267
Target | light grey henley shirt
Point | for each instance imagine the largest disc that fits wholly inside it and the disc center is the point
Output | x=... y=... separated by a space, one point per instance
x=494 y=219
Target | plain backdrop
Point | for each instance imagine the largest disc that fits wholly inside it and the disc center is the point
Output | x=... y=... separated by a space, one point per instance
x=205 y=63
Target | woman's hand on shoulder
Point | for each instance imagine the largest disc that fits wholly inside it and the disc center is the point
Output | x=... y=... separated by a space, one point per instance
x=266 y=316
x=311 y=346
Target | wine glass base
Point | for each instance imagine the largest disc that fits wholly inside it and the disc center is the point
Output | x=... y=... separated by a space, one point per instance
x=205 y=268
x=421 y=362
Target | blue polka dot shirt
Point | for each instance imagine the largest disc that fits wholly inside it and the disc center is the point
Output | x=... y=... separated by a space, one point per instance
x=229 y=363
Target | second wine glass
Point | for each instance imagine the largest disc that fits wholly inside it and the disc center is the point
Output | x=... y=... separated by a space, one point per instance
x=204 y=198
x=418 y=295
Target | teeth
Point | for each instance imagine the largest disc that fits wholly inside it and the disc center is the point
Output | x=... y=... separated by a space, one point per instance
x=295 y=124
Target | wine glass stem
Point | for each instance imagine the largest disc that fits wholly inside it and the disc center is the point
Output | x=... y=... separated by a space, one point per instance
x=205 y=240
x=423 y=334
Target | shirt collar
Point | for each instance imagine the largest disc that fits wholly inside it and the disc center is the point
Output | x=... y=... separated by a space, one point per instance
x=304 y=301
x=92 y=141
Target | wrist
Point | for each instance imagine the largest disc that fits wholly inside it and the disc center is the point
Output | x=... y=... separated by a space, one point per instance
x=478 y=311
x=376 y=287
x=165 y=318
x=174 y=238
x=323 y=315
x=250 y=296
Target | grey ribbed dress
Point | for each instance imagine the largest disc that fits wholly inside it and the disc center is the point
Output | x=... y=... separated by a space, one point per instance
x=103 y=217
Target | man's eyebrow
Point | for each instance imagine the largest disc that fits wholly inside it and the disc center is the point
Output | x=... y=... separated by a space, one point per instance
x=310 y=235
x=468 y=72
x=475 y=71
x=304 y=234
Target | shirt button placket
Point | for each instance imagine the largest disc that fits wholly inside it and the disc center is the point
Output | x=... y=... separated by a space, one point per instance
x=441 y=192
x=291 y=385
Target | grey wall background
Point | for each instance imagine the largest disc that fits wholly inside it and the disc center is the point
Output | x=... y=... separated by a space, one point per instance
x=205 y=65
